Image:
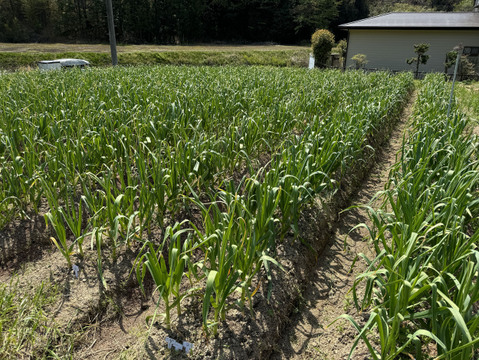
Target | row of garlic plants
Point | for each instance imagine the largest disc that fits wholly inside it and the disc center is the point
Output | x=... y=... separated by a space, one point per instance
x=174 y=124
x=235 y=153
x=242 y=222
x=421 y=287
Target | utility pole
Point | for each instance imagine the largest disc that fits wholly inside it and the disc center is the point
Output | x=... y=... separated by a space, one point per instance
x=111 y=31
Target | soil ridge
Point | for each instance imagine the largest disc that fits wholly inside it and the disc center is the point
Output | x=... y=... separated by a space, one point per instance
x=309 y=334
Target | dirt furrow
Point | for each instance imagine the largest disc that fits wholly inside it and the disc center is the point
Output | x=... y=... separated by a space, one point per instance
x=310 y=334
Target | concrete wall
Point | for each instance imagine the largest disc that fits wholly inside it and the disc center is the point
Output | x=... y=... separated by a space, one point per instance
x=389 y=49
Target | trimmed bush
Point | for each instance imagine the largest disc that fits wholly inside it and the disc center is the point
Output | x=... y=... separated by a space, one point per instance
x=322 y=41
x=359 y=61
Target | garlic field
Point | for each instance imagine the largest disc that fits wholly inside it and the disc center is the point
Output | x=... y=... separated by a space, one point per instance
x=202 y=176
x=422 y=289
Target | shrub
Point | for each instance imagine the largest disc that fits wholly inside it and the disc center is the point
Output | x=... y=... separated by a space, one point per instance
x=359 y=61
x=342 y=48
x=322 y=41
x=451 y=57
x=467 y=69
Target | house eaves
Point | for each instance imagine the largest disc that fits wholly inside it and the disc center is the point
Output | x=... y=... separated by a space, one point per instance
x=425 y=20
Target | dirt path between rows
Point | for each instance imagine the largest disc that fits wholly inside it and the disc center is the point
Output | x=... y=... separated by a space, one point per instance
x=327 y=297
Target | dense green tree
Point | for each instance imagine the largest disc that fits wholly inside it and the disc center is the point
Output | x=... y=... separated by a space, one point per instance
x=12 y=21
x=463 y=5
x=310 y=15
x=443 y=5
x=81 y=20
x=183 y=21
x=252 y=21
x=382 y=6
x=349 y=10
x=132 y=24
x=322 y=41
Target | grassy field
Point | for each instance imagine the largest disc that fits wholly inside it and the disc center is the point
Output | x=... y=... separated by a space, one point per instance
x=468 y=98
x=15 y=56
x=105 y=48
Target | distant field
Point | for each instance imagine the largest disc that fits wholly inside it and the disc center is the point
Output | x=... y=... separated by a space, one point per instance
x=25 y=56
x=105 y=48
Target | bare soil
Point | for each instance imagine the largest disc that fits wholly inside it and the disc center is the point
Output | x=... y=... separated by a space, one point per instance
x=288 y=318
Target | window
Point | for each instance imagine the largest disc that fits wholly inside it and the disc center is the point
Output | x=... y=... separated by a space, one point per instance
x=471 y=51
x=472 y=54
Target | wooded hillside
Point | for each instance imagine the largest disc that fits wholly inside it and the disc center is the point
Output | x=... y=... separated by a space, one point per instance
x=187 y=21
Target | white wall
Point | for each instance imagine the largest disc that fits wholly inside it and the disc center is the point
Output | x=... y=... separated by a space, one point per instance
x=389 y=49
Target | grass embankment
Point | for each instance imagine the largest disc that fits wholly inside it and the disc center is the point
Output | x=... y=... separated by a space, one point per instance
x=26 y=326
x=468 y=100
x=16 y=56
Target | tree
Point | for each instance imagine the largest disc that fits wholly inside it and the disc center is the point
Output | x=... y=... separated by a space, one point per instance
x=359 y=61
x=322 y=41
x=463 y=5
x=342 y=48
x=13 y=25
x=443 y=5
x=421 y=58
x=467 y=70
x=309 y=15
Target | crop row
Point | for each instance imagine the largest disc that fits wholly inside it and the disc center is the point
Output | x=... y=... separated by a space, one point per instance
x=219 y=161
x=421 y=287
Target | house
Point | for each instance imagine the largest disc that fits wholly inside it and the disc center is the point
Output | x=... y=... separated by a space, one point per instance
x=388 y=40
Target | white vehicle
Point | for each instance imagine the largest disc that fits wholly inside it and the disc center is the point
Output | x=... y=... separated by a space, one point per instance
x=62 y=63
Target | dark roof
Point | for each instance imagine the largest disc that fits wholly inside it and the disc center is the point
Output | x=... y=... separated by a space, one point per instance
x=425 y=20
